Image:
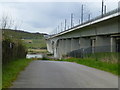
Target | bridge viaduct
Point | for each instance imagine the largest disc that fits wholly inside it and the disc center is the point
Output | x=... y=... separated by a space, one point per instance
x=101 y=31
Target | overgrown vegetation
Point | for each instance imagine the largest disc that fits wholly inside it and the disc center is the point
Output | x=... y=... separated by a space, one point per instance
x=96 y=63
x=11 y=71
x=110 y=57
x=13 y=52
x=12 y=49
x=107 y=61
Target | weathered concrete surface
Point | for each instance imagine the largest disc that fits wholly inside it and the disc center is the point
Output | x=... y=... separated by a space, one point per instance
x=97 y=33
x=58 y=74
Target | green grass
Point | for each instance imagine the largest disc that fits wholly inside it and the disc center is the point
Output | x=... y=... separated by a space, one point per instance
x=22 y=34
x=36 y=43
x=106 y=66
x=11 y=71
x=105 y=57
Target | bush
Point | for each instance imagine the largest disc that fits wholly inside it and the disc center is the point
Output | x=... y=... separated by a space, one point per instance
x=12 y=49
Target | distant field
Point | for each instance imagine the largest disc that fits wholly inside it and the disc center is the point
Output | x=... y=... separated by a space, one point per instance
x=22 y=34
x=31 y=40
x=35 y=43
x=37 y=51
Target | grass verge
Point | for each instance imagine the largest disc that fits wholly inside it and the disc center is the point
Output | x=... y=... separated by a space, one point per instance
x=11 y=71
x=106 y=66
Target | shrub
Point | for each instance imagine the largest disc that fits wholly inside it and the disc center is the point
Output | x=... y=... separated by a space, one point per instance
x=12 y=49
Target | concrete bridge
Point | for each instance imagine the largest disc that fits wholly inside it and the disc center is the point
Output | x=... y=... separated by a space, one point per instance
x=101 y=31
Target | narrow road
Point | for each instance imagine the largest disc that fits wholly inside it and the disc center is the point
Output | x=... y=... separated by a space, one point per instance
x=59 y=74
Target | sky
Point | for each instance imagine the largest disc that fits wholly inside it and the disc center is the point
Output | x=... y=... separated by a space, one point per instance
x=47 y=16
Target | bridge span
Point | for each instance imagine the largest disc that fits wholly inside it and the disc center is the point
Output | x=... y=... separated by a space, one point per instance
x=89 y=36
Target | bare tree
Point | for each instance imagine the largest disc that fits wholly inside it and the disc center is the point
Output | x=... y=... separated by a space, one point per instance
x=7 y=22
x=3 y=22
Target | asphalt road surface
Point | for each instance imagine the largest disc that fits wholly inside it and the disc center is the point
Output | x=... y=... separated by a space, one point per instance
x=59 y=74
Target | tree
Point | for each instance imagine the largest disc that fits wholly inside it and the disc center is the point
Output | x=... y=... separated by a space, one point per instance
x=7 y=22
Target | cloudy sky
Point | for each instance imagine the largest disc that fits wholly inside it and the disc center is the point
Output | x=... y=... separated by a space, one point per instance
x=45 y=17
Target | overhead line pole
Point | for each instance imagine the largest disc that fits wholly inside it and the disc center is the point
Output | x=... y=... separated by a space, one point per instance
x=82 y=14
x=61 y=27
x=102 y=7
x=105 y=9
x=71 y=20
x=65 y=23
x=58 y=29
x=89 y=17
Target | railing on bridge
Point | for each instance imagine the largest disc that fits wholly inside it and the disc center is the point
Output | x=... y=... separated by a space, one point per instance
x=91 y=20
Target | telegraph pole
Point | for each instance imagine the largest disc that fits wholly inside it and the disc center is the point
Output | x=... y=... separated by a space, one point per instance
x=71 y=20
x=105 y=9
x=102 y=7
x=58 y=29
x=79 y=21
x=82 y=14
x=65 y=23
x=61 y=26
x=89 y=17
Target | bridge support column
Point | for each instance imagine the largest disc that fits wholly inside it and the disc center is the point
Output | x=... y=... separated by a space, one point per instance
x=52 y=47
x=49 y=46
x=102 y=44
x=68 y=45
x=75 y=44
x=60 y=49
x=55 y=49
x=112 y=44
x=85 y=42
x=63 y=47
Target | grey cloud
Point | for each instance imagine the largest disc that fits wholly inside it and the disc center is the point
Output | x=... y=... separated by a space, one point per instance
x=39 y=16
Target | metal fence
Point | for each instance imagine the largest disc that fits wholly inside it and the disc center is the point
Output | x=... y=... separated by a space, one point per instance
x=83 y=52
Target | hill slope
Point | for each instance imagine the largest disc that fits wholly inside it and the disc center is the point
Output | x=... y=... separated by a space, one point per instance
x=32 y=40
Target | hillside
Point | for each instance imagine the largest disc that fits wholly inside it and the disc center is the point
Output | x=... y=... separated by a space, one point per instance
x=31 y=40
x=22 y=34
